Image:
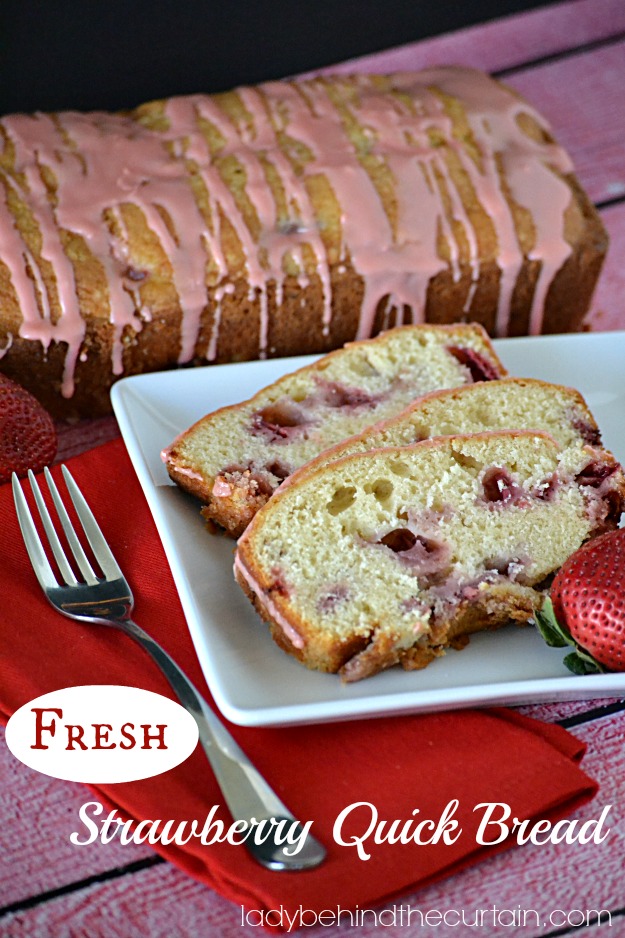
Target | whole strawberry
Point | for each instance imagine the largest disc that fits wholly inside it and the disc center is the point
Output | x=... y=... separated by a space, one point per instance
x=27 y=433
x=586 y=608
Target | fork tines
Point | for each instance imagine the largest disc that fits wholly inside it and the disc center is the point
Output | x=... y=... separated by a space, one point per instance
x=93 y=534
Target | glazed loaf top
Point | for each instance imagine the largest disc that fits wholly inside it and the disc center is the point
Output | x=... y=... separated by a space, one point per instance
x=123 y=217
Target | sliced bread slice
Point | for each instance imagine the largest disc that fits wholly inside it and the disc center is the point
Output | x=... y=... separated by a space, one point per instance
x=235 y=458
x=393 y=555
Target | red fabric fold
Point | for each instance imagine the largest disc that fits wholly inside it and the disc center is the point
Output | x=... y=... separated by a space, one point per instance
x=398 y=765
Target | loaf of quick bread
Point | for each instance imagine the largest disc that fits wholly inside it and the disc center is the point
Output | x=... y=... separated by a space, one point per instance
x=393 y=555
x=233 y=459
x=281 y=219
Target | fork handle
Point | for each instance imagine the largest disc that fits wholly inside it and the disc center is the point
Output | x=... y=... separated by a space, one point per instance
x=247 y=794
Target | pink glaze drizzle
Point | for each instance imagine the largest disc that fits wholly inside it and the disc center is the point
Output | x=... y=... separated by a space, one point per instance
x=101 y=163
x=290 y=632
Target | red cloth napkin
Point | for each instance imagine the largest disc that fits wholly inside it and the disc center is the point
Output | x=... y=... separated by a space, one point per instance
x=397 y=764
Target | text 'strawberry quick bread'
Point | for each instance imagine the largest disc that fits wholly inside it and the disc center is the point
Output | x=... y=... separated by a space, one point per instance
x=506 y=404
x=282 y=219
x=392 y=556
x=236 y=457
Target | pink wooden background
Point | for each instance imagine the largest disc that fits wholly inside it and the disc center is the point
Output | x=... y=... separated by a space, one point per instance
x=569 y=60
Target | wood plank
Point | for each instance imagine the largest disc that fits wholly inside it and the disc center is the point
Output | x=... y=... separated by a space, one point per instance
x=75 y=438
x=582 y=97
x=38 y=815
x=504 y=43
x=563 y=710
x=160 y=903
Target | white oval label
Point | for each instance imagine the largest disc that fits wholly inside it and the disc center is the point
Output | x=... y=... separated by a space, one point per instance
x=101 y=733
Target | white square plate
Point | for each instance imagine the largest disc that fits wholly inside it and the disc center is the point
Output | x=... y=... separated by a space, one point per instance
x=253 y=682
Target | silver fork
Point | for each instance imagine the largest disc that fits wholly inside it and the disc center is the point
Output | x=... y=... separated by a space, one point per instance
x=108 y=601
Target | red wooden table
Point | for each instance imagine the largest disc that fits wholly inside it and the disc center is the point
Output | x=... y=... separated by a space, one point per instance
x=569 y=60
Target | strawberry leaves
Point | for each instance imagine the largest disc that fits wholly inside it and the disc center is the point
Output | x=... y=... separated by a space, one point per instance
x=556 y=635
